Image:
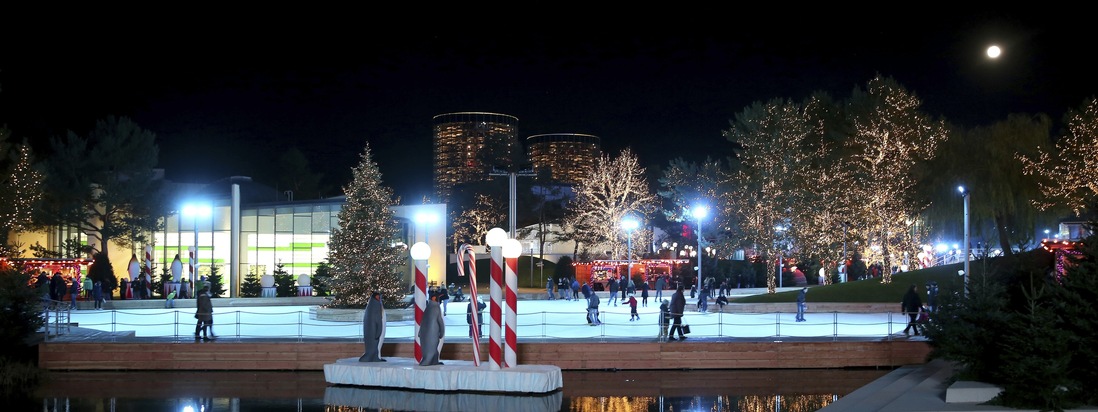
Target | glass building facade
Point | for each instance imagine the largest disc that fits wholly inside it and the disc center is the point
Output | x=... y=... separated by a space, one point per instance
x=467 y=145
x=567 y=157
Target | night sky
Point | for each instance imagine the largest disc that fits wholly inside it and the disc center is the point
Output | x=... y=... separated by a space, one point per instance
x=226 y=97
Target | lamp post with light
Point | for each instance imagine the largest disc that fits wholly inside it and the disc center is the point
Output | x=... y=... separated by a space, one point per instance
x=964 y=194
x=195 y=211
x=629 y=224
x=699 y=213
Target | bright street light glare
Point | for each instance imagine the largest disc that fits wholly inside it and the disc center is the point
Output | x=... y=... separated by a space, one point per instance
x=961 y=189
x=994 y=52
x=196 y=210
x=629 y=224
x=700 y=212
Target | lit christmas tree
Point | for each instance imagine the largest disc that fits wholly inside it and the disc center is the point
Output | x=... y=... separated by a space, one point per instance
x=362 y=254
x=22 y=190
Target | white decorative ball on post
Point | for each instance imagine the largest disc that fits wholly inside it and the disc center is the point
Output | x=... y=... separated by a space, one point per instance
x=303 y=280
x=267 y=281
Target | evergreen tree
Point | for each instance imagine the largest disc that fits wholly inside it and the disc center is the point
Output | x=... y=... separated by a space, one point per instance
x=284 y=281
x=321 y=279
x=102 y=271
x=250 y=287
x=363 y=258
x=217 y=287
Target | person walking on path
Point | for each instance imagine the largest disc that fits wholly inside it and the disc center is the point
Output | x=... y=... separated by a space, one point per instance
x=204 y=314
x=661 y=283
x=549 y=288
x=800 y=304
x=911 y=305
x=678 y=305
x=633 y=315
x=613 y=292
x=644 y=293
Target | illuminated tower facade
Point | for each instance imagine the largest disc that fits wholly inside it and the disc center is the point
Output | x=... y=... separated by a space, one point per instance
x=468 y=145
x=566 y=156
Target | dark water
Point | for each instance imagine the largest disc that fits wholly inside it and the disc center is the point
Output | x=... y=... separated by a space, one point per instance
x=725 y=390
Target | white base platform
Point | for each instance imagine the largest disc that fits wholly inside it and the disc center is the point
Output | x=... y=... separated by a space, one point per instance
x=452 y=375
x=403 y=400
x=971 y=392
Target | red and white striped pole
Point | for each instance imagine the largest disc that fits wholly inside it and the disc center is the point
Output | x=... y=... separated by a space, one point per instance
x=420 y=253
x=191 y=266
x=474 y=324
x=512 y=248
x=495 y=239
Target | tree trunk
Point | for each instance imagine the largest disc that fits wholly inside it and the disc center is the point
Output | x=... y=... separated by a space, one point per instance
x=1004 y=241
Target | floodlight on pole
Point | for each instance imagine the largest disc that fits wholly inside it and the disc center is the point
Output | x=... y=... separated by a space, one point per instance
x=699 y=213
x=629 y=224
x=195 y=211
x=964 y=194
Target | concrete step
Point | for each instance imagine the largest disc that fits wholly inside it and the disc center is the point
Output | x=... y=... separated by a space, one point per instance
x=869 y=397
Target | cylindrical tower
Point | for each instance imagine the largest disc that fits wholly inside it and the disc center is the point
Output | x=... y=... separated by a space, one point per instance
x=469 y=144
x=566 y=156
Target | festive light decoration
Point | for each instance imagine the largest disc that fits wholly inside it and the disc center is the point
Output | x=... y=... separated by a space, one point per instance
x=21 y=191
x=1071 y=170
x=615 y=188
x=473 y=223
x=362 y=253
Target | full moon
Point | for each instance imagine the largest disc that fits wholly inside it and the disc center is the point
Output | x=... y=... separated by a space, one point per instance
x=993 y=52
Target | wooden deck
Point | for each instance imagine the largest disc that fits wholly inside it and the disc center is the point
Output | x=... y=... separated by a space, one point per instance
x=565 y=354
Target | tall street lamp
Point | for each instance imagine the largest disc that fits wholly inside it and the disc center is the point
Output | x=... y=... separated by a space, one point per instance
x=195 y=211
x=699 y=213
x=425 y=220
x=966 y=248
x=629 y=224
x=779 y=229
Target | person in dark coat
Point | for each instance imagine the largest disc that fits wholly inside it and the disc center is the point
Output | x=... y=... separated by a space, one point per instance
x=204 y=314
x=800 y=304
x=57 y=287
x=123 y=286
x=678 y=306
x=373 y=329
x=480 y=318
x=644 y=293
x=613 y=283
x=911 y=305
x=661 y=283
x=587 y=291
x=593 y=310
x=575 y=289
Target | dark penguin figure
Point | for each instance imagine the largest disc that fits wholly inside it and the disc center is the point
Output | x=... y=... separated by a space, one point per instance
x=432 y=331
x=373 y=329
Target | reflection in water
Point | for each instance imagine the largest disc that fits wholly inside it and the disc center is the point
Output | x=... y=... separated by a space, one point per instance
x=678 y=390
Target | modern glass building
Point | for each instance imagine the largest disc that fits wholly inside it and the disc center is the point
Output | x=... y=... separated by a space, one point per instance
x=467 y=145
x=567 y=157
x=231 y=221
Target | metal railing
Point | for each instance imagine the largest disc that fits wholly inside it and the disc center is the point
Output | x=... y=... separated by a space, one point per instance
x=297 y=323
x=57 y=317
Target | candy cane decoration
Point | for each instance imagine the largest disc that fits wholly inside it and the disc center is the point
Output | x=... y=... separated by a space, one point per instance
x=495 y=346
x=510 y=354
x=420 y=253
x=462 y=251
